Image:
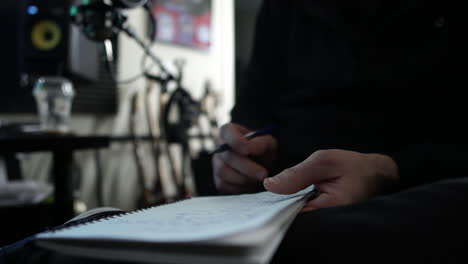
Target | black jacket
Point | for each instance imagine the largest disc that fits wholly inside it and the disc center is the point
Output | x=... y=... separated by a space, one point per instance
x=369 y=76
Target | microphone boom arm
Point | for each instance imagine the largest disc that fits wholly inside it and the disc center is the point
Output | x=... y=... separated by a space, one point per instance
x=125 y=27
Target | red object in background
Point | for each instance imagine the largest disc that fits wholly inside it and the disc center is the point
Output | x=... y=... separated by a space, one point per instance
x=177 y=25
x=202 y=29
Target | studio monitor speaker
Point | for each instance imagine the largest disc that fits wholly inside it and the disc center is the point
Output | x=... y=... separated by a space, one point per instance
x=37 y=40
x=44 y=38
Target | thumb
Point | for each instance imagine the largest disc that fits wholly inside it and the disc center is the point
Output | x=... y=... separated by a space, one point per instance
x=323 y=200
x=296 y=178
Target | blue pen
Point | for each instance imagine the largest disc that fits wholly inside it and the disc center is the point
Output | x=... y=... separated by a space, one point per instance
x=250 y=135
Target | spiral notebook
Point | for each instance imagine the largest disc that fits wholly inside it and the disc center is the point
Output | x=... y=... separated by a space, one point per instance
x=219 y=229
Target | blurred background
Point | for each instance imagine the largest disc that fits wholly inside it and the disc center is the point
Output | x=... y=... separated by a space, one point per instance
x=113 y=103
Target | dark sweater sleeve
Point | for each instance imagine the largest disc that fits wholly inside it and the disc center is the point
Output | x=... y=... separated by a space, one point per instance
x=445 y=155
x=265 y=73
x=426 y=163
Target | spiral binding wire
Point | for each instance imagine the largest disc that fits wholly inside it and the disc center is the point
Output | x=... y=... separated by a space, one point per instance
x=104 y=216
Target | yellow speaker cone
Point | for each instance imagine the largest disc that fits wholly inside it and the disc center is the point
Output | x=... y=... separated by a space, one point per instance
x=46 y=35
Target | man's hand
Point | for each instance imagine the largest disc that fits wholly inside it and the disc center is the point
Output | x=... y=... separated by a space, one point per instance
x=244 y=167
x=341 y=177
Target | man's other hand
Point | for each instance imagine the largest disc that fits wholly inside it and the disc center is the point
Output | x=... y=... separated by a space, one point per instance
x=243 y=168
x=341 y=177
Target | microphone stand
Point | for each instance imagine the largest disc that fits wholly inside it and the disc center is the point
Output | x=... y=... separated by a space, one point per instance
x=102 y=23
x=163 y=79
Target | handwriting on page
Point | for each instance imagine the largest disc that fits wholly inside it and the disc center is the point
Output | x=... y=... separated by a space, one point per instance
x=222 y=211
x=193 y=219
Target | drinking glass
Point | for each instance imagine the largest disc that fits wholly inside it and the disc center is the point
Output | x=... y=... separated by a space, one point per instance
x=54 y=96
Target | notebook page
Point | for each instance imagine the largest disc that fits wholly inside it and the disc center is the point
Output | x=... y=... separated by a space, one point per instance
x=195 y=219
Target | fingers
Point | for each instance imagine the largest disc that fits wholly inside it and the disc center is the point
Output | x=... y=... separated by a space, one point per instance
x=246 y=175
x=237 y=169
x=323 y=200
x=262 y=145
x=233 y=135
x=294 y=179
x=313 y=170
x=228 y=188
x=251 y=173
x=326 y=200
x=245 y=166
